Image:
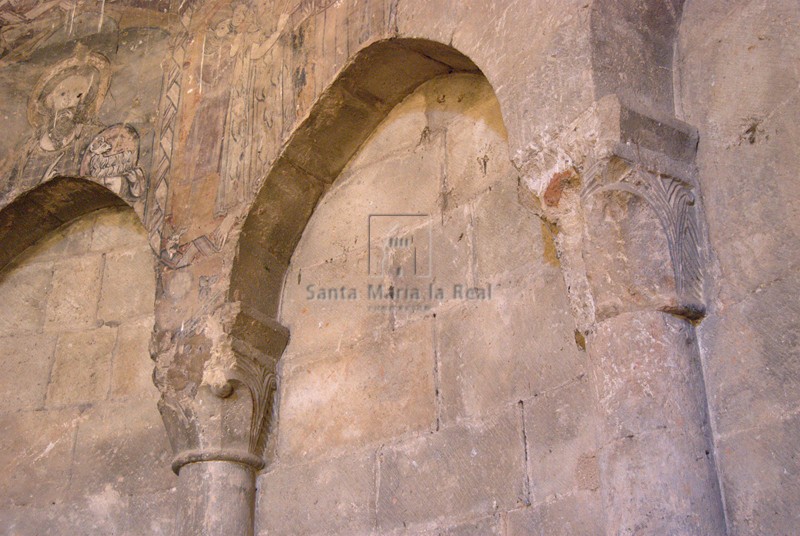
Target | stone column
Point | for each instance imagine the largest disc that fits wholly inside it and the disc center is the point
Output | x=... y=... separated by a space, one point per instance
x=217 y=379
x=621 y=189
x=216 y=497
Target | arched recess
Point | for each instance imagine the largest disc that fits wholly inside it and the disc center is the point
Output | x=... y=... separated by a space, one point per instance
x=77 y=290
x=39 y=211
x=356 y=376
x=632 y=51
x=374 y=82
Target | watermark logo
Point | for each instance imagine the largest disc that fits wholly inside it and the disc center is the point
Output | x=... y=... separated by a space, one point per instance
x=400 y=245
x=401 y=272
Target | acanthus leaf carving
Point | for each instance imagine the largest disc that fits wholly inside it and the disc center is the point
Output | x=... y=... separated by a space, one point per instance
x=610 y=149
x=224 y=411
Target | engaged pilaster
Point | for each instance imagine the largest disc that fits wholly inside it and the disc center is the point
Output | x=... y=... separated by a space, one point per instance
x=621 y=190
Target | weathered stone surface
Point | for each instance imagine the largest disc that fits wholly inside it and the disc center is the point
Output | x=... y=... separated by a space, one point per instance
x=130 y=455
x=760 y=477
x=73 y=298
x=58 y=486
x=383 y=187
x=326 y=497
x=401 y=132
x=658 y=471
x=118 y=300
x=753 y=358
x=560 y=432
x=152 y=512
x=648 y=375
x=531 y=350
x=223 y=123
x=488 y=526
x=577 y=513
x=40 y=444
x=67 y=241
x=736 y=89
x=82 y=368
x=496 y=254
x=463 y=470
x=215 y=497
x=23 y=293
x=627 y=256
x=660 y=482
x=132 y=368
x=25 y=363
x=374 y=391
x=114 y=229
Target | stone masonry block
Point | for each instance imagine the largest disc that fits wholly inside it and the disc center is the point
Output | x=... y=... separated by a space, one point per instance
x=457 y=472
x=36 y=452
x=373 y=391
x=71 y=239
x=23 y=294
x=560 y=431
x=406 y=183
x=761 y=477
x=120 y=300
x=82 y=367
x=567 y=515
x=529 y=349
x=132 y=368
x=505 y=244
x=75 y=288
x=117 y=229
x=25 y=363
x=324 y=497
x=752 y=358
x=130 y=455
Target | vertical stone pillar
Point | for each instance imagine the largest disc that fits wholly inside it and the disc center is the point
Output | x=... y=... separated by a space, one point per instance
x=216 y=497
x=657 y=465
x=217 y=379
x=621 y=188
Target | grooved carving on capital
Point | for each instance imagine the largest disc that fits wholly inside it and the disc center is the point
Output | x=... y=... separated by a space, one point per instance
x=218 y=378
x=618 y=184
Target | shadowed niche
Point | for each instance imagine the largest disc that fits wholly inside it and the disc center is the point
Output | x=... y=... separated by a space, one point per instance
x=369 y=87
x=47 y=207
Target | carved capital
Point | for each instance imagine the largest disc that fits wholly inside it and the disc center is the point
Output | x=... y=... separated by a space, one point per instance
x=217 y=377
x=622 y=189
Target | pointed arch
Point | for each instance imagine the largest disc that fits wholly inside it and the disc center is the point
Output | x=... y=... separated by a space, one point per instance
x=377 y=79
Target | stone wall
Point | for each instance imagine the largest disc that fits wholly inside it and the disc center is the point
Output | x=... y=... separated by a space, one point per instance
x=738 y=83
x=620 y=172
x=83 y=449
x=431 y=416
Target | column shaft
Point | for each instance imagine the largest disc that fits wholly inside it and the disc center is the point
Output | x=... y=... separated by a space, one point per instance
x=216 y=498
x=657 y=465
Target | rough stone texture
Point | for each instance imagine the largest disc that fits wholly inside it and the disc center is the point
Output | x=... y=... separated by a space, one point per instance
x=74 y=461
x=253 y=139
x=73 y=300
x=560 y=433
x=578 y=513
x=656 y=466
x=367 y=393
x=323 y=497
x=82 y=369
x=737 y=87
x=26 y=361
x=432 y=392
x=24 y=303
x=462 y=471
